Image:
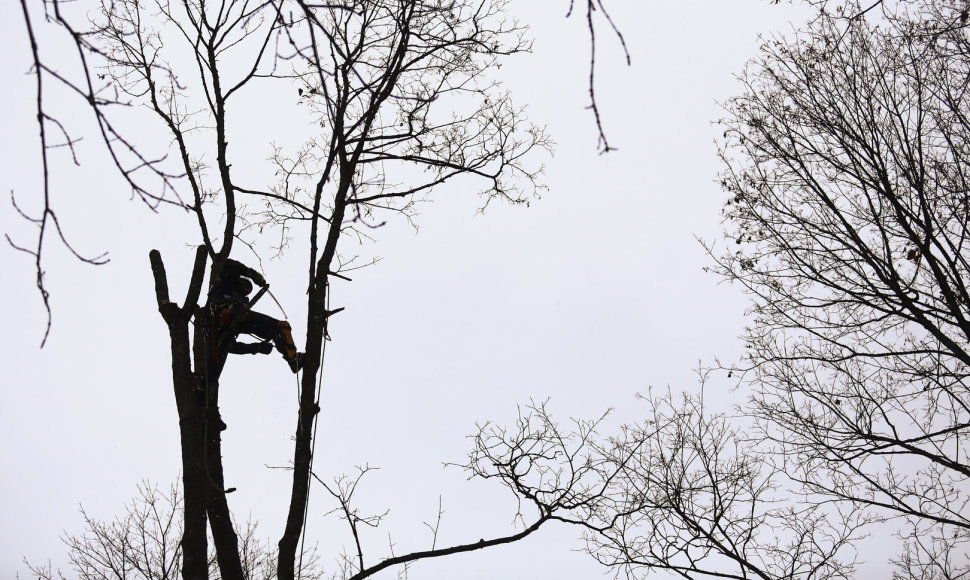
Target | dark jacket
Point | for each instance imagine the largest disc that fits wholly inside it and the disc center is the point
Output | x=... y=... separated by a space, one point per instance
x=227 y=287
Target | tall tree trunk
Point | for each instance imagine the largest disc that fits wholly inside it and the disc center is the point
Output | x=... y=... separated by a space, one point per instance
x=220 y=519
x=302 y=455
x=195 y=563
x=200 y=431
x=191 y=427
x=316 y=333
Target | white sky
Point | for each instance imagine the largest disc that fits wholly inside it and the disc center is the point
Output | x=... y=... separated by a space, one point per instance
x=594 y=293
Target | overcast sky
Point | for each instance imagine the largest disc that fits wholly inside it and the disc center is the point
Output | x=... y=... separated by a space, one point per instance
x=592 y=294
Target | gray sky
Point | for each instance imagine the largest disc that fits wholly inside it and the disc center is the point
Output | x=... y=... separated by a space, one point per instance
x=592 y=294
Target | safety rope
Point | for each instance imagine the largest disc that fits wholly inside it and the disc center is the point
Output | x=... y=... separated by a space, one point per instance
x=313 y=438
x=278 y=305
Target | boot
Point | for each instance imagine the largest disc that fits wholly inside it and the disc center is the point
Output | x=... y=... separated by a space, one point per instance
x=296 y=363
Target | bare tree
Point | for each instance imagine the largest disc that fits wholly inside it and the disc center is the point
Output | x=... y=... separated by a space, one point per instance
x=848 y=221
x=144 y=544
x=680 y=491
x=398 y=86
x=79 y=79
x=394 y=100
x=694 y=497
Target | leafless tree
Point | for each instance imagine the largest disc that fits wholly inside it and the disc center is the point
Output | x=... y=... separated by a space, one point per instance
x=394 y=100
x=696 y=498
x=79 y=79
x=848 y=223
x=680 y=491
x=144 y=544
x=553 y=473
x=849 y=206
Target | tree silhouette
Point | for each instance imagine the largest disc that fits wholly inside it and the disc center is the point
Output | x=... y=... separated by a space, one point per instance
x=848 y=218
x=390 y=100
x=847 y=222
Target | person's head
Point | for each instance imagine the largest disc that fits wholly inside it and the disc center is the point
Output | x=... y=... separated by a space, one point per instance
x=244 y=287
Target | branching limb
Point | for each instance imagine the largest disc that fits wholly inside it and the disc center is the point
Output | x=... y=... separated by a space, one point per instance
x=591 y=7
x=48 y=216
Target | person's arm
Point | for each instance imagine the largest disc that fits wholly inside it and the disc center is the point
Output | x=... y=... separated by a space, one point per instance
x=234 y=268
x=250 y=347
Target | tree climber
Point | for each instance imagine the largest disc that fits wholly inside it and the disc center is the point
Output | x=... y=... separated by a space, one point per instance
x=230 y=315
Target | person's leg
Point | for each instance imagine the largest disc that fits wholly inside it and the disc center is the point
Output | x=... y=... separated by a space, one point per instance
x=279 y=331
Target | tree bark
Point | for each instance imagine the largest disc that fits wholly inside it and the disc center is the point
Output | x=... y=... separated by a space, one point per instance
x=220 y=519
x=217 y=508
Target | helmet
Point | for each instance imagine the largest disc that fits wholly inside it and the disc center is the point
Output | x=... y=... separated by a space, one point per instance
x=244 y=287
